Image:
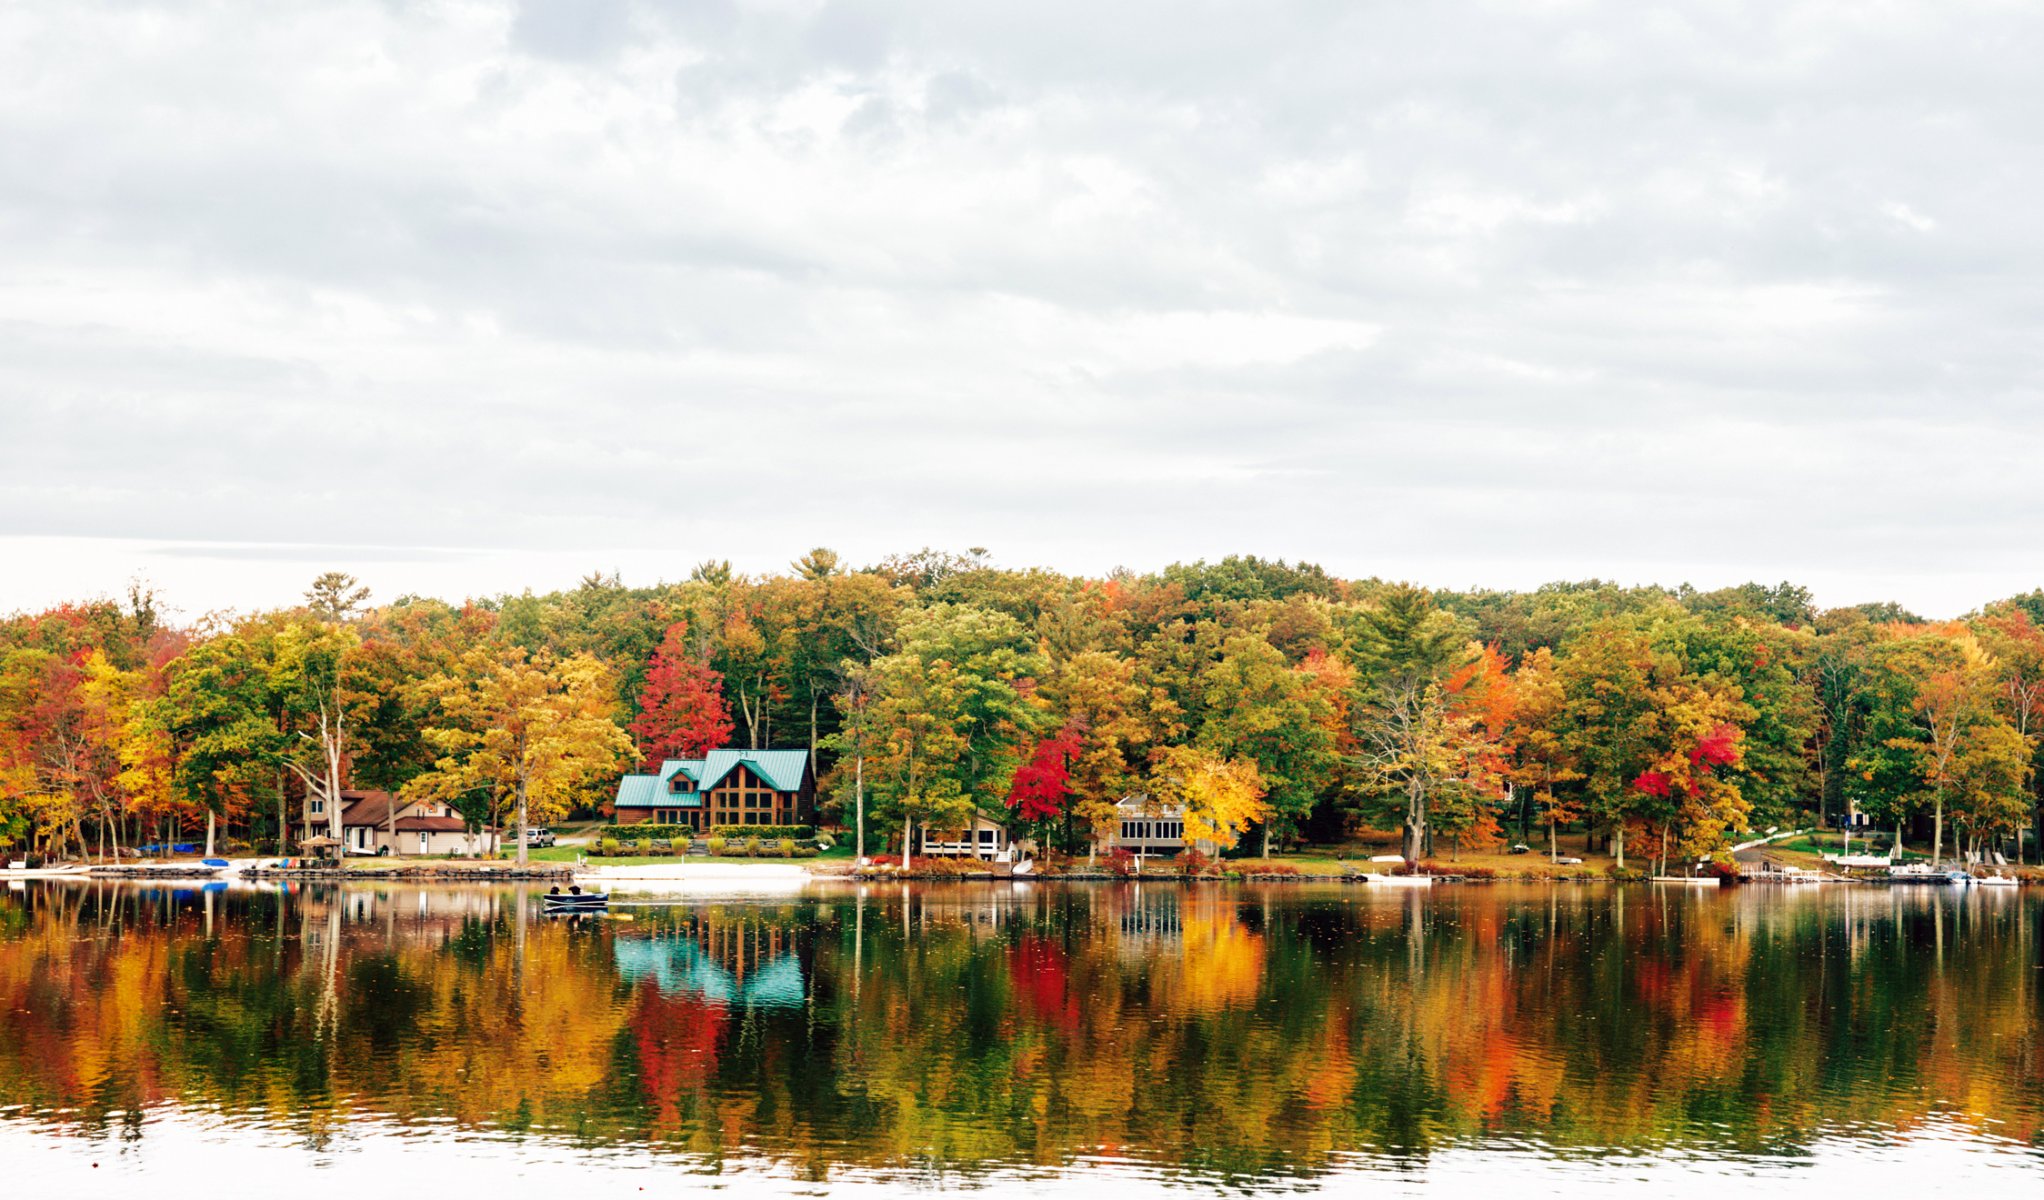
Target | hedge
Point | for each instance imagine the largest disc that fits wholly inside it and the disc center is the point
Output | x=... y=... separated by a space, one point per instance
x=650 y=831
x=764 y=831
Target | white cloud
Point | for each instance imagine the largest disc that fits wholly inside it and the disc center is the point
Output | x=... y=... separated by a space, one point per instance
x=1473 y=293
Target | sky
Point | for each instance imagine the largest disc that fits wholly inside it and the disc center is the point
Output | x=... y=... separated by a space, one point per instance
x=465 y=296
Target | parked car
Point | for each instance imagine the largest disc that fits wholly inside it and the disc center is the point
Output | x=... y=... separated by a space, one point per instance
x=539 y=838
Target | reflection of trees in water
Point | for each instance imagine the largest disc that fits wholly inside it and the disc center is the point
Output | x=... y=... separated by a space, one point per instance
x=1226 y=1030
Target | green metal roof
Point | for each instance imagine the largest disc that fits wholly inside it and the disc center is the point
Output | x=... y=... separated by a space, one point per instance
x=781 y=769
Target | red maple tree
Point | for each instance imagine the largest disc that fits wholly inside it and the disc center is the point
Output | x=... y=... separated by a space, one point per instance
x=682 y=711
x=1043 y=783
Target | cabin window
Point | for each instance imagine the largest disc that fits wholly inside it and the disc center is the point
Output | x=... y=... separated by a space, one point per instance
x=318 y=806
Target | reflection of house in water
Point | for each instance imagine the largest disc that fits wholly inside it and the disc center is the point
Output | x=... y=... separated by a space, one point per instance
x=1150 y=919
x=742 y=964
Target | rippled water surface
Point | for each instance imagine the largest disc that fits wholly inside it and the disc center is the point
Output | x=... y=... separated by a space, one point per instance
x=1031 y=1039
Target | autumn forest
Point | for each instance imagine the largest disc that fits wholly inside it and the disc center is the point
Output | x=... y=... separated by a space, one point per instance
x=1280 y=705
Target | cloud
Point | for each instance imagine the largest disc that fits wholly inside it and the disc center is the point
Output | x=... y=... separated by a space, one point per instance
x=1447 y=291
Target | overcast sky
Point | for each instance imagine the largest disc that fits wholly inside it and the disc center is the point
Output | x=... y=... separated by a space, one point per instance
x=467 y=296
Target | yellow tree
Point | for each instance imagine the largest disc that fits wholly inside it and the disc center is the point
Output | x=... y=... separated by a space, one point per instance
x=528 y=730
x=1221 y=797
x=1541 y=756
x=1951 y=697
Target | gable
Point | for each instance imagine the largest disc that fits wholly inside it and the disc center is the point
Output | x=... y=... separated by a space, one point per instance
x=781 y=770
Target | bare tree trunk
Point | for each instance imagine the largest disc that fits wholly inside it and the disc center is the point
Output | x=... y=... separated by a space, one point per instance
x=521 y=822
x=210 y=825
x=859 y=807
x=1618 y=844
x=1937 y=836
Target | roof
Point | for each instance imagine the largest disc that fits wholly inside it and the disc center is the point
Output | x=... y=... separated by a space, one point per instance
x=365 y=808
x=431 y=825
x=783 y=770
x=1139 y=804
x=652 y=791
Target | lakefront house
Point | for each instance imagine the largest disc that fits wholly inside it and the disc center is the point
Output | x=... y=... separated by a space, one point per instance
x=724 y=787
x=1146 y=827
x=984 y=836
x=376 y=822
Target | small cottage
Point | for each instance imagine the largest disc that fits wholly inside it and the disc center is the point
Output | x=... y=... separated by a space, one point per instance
x=982 y=837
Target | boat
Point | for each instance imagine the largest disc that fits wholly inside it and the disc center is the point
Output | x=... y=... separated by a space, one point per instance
x=1692 y=880
x=1999 y=881
x=576 y=901
x=1401 y=880
x=1959 y=878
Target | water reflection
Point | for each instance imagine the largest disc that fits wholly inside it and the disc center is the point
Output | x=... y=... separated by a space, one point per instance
x=1245 y=1037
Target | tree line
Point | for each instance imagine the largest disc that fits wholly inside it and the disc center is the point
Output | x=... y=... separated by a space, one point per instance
x=1272 y=701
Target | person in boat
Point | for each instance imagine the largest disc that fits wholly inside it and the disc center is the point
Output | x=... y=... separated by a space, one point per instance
x=574 y=889
x=554 y=890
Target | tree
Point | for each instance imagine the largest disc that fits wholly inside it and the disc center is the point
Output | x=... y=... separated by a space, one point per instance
x=1258 y=707
x=1609 y=719
x=948 y=713
x=1221 y=797
x=820 y=563
x=1413 y=743
x=1541 y=757
x=336 y=596
x=682 y=713
x=1043 y=783
x=1115 y=719
x=526 y=730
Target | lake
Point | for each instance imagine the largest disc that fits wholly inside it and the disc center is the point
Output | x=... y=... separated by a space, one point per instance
x=1581 y=1039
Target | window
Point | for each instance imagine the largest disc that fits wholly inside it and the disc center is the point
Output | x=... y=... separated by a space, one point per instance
x=318 y=806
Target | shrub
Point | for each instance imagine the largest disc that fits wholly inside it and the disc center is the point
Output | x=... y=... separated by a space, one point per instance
x=1120 y=861
x=718 y=845
x=680 y=844
x=752 y=847
x=765 y=831
x=787 y=847
x=1276 y=868
x=824 y=841
x=642 y=847
x=1192 y=862
x=607 y=847
x=805 y=852
x=647 y=829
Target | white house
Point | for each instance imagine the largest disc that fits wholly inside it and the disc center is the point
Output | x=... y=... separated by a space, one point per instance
x=380 y=823
x=1148 y=828
x=983 y=837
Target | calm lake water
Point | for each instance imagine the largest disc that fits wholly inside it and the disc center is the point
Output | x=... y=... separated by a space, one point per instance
x=1045 y=1040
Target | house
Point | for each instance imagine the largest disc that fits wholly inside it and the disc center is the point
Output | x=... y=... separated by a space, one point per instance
x=1145 y=828
x=375 y=822
x=982 y=837
x=724 y=787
